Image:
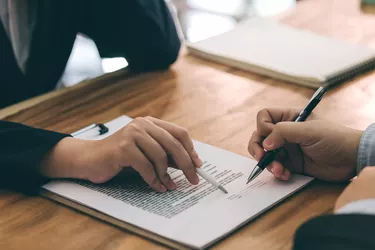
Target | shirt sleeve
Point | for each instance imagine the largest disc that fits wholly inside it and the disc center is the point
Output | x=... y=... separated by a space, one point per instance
x=22 y=149
x=366 y=150
x=366 y=157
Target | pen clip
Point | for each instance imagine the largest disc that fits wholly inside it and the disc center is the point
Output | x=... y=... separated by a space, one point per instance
x=102 y=129
x=319 y=93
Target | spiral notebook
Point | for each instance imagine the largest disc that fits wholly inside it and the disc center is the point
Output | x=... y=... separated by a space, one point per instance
x=191 y=217
x=276 y=50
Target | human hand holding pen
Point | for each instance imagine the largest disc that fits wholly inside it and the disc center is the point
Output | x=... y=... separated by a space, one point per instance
x=316 y=147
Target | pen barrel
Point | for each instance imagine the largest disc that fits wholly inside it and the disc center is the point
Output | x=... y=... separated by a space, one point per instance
x=207 y=177
x=267 y=159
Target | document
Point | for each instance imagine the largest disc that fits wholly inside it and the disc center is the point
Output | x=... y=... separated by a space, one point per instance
x=194 y=216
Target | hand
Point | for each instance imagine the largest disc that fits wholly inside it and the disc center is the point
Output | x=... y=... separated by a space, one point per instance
x=145 y=144
x=315 y=147
x=361 y=188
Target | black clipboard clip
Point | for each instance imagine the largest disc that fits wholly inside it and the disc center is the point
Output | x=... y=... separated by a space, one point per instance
x=103 y=129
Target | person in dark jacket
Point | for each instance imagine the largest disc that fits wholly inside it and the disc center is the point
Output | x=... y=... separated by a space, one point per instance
x=36 y=38
x=329 y=152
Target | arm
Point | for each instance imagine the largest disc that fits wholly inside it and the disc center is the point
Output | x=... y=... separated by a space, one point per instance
x=141 y=31
x=352 y=226
x=29 y=156
x=21 y=151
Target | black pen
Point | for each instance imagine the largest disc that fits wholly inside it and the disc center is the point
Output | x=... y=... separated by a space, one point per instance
x=302 y=116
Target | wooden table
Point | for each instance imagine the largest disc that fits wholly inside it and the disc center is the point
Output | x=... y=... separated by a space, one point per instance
x=218 y=105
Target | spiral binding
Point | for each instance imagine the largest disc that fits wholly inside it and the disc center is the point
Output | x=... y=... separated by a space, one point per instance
x=351 y=73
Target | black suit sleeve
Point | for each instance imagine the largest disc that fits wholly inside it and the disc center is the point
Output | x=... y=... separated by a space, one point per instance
x=21 y=151
x=331 y=232
x=142 y=31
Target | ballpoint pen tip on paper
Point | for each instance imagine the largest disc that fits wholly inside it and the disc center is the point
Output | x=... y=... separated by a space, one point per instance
x=223 y=189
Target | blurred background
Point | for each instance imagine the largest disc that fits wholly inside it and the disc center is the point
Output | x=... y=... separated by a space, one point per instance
x=198 y=19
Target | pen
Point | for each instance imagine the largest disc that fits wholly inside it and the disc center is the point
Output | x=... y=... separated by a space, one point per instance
x=103 y=129
x=302 y=116
x=210 y=179
x=205 y=176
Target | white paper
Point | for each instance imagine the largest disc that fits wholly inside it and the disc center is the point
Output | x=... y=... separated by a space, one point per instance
x=195 y=216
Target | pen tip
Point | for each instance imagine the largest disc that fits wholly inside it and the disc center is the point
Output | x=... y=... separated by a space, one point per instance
x=223 y=189
x=248 y=180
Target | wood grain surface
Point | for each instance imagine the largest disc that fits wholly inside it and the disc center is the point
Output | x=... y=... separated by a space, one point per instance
x=218 y=105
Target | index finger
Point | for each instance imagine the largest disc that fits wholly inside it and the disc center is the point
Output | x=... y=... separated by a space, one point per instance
x=182 y=135
x=268 y=117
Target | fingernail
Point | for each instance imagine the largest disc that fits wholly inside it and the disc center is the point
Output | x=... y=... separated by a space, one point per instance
x=171 y=185
x=255 y=157
x=267 y=143
x=162 y=188
x=196 y=180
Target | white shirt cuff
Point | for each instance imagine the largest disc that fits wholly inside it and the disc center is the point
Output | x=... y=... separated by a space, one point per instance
x=359 y=207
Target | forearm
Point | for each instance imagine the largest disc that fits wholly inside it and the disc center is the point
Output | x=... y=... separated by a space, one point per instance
x=22 y=149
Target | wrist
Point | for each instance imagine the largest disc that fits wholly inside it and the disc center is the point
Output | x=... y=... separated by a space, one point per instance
x=68 y=159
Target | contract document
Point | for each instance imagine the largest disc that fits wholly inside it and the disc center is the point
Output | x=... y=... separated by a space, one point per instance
x=189 y=217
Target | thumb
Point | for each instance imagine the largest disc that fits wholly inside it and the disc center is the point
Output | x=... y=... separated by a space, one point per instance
x=284 y=132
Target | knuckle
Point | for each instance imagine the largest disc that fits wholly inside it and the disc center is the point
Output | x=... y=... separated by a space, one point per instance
x=250 y=147
x=176 y=144
x=260 y=113
x=134 y=126
x=148 y=120
x=254 y=135
x=278 y=127
x=139 y=120
x=184 y=133
x=124 y=145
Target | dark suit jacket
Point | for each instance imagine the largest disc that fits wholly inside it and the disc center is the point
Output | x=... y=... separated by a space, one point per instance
x=337 y=232
x=142 y=31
